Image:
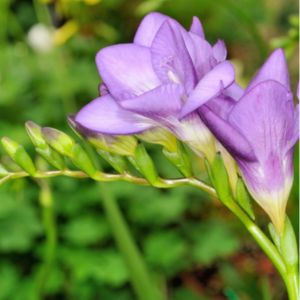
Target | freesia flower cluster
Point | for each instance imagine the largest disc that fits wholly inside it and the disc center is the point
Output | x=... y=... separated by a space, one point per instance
x=175 y=79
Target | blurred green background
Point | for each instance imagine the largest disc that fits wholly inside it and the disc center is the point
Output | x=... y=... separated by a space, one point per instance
x=192 y=244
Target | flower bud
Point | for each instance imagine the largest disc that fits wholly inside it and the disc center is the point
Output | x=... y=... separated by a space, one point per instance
x=161 y=137
x=81 y=159
x=145 y=164
x=116 y=144
x=179 y=159
x=35 y=133
x=3 y=171
x=18 y=155
x=116 y=161
x=59 y=141
x=65 y=145
x=286 y=243
x=243 y=198
x=219 y=177
x=121 y=145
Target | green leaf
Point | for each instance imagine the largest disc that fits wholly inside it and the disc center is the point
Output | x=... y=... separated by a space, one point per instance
x=105 y=266
x=86 y=230
x=157 y=207
x=213 y=240
x=10 y=278
x=166 y=250
x=19 y=225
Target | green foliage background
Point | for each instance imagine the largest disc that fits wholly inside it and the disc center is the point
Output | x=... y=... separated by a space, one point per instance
x=193 y=246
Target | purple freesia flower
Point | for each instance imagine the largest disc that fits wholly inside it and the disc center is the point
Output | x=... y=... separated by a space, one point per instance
x=260 y=130
x=159 y=80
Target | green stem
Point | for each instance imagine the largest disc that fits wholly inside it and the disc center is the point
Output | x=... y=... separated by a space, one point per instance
x=48 y=216
x=105 y=177
x=266 y=245
x=292 y=284
x=140 y=278
x=262 y=240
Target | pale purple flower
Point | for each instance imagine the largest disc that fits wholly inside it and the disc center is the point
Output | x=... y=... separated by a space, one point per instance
x=159 y=80
x=260 y=130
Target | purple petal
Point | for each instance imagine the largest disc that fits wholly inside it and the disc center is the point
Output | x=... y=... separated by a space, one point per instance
x=266 y=116
x=170 y=58
x=202 y=56
x=221 y=106
x=209 y=86
x=196 y=27
x=104 y=115
x=298 y=91
x=103 y=90
x=234 y=91
x=148 y=28
x=126 y=70
x=229 y=137
x=275 y=68
x=162 y=101
x=219 y=51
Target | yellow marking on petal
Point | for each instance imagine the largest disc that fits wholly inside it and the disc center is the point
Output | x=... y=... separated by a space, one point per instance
x=274 y=203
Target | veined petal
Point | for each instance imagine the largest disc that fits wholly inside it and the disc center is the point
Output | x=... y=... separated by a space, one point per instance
x=219 y=51
x=209 y=86
x=104 y=115
x=193 y=132
x=227 y=135
x=234 y=91
x=202 y=55
x=165 y=100
x=221 y=105
x=197 y=28
x=170 y=58
x=148 y=28
x=275 y=68
x=126 y=70
x=266 y=116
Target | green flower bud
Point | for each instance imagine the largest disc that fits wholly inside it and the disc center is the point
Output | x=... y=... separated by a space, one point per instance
x=145 y=164
x=59 y=141
x=116 y=161
x=81 y=160
x=289 y=245
x=35 y=133
x=65 y=145
x=19 y=155
x=121 y=145
x=179 y=159
x=219 y=178
x=286 y=243
x=161 y=137
x=3 y=171
x=116 y=144
x=243 y=198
